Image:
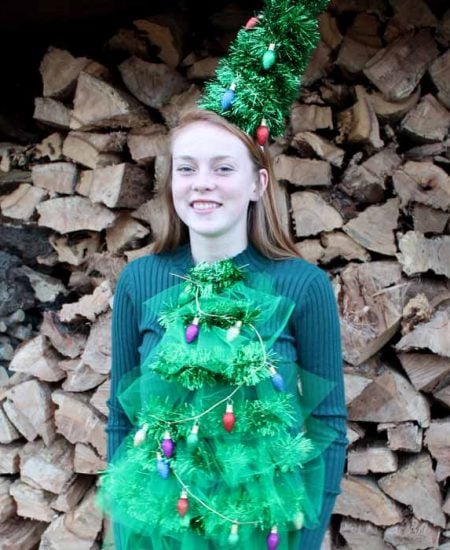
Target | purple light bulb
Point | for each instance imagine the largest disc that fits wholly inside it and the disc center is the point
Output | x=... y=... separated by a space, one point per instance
x=167 y=445
x=273 y=539
x=192 y=331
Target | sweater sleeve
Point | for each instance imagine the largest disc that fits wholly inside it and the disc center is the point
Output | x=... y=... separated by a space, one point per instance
x=125 y=356
x=319 y=348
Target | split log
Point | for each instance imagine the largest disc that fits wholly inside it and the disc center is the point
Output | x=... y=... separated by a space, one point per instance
x=302 y=172
x=329 y=30
x=413 y=534
x=9 y=458
x=354 y=432
x=439 y=71
x=87 y=461
x=80 y=377
x=22 y=202
x=429 y=220
x=203 y=69
x=354 y=385
x=72 y=493
x=20 y=533
x=361 y=42
x=390 y=398
x=85 y=521
x=339 y=245
x=426 y=371
x=37 y=358
x=419 y=254
x=66 y=341
x=323 y=148
x=166 y=34
x=359 y=534
x=60 y=71
x=50 y=147
x=392 y=111
x=47 y=467
x=75 y=249
x=416 y=477
x=88 y=306
x=180 y=104
x=311 y=250
x=32 y=503
x=153 y=84
x=120 y=186
x=397 y=69
x=361 y=498
x=97 y=104
x=434 y=335
x=68 y=214
x=30 y=408
x=51 y=112
x=366 y=182
x=149 y=212
x=374 y=227
x=312 y=214
x=57 y=536
x=437 y=439
x=443 y=396
x=428 y=122
x=364 y=127
x=423 y=182
x=46 y=288
x=147 y=143
x=8 y=432
x=405 y=436
x=124 y=233
x=78 y=422
x=97 y=352
x=371 y=300
x=7 y=504
x=319 y=65
x=94 y=150
x=375 y=458
x=310 y=118
x=100 y=398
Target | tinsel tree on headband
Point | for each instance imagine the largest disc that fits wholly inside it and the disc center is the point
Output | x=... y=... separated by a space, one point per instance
x=257 y=82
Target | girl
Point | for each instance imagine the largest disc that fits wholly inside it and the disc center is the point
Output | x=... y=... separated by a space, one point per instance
x=230 y=431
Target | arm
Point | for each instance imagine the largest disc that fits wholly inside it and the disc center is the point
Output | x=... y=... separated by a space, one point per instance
x=125 y=356
x=320 y=352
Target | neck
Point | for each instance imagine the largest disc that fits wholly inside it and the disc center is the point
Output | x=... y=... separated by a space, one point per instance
x=214 y=249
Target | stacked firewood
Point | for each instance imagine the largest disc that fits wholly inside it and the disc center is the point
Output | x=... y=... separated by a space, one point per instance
x=365 y=189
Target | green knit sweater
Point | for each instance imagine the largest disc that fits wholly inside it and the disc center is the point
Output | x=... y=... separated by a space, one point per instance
x=312 y=335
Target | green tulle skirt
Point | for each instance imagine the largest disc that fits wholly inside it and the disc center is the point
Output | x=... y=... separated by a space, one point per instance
x=183 y=479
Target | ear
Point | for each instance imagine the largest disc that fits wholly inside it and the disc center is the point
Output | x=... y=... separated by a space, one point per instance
x=260 y=184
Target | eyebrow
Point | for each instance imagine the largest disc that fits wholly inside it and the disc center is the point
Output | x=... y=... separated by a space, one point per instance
x=216 y=158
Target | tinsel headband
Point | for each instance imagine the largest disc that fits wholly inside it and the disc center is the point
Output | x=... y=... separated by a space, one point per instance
x=259 y=80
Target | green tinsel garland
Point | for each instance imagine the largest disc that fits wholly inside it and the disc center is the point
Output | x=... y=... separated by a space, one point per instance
x=266 y=93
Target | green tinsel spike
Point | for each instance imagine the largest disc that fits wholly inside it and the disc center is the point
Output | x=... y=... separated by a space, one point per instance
x=267 y=83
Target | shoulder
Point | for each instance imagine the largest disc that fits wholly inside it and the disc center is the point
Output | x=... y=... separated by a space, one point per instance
x=142 y=270
x=299 y=270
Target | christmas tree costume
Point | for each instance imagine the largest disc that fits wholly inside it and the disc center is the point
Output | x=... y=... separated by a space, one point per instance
x=225 y=452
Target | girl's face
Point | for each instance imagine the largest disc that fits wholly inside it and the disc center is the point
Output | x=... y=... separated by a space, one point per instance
x=213 y=182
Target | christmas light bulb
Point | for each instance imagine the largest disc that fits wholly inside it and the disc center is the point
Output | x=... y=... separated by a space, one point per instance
x=192 y=438
x=234 y=331
x=228 y=418
x=273 y=539
x=234 y=536
x=167 y=445
x=183 y=503
x=228 y=97
x=162 y=466
x=192 y=330
x=252 y=22
x=140 y=435
x=262 y=133
x=277 y=380
x=299 y=519
x=269 y=57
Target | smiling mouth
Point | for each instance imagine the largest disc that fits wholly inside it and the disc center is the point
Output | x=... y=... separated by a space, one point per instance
x=204 y=205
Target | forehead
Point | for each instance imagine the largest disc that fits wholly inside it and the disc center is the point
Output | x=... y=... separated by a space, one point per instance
x=203 y=138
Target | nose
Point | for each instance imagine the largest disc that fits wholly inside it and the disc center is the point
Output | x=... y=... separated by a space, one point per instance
x=203 y=181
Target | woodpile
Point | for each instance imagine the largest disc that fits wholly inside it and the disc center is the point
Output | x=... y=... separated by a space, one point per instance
x=364 y=167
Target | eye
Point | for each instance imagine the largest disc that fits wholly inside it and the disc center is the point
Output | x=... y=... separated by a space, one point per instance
x=224 y=169
x=184 y=169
